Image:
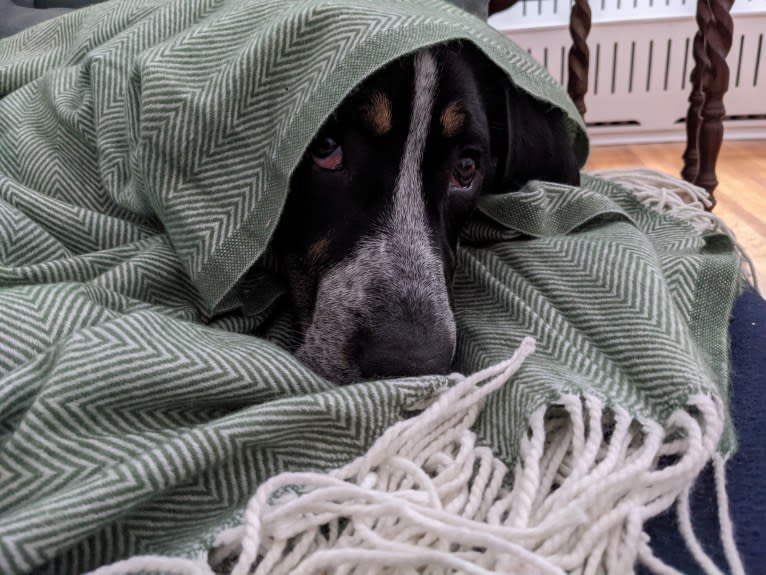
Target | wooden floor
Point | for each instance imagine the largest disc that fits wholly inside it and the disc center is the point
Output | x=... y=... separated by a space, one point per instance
x=741 y=194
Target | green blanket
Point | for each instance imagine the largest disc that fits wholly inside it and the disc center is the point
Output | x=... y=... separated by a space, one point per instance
x=146 y=148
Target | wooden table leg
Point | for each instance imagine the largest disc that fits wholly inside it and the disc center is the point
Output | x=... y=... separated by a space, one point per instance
x=579 y=55
x=718 y=38
x=696 y=98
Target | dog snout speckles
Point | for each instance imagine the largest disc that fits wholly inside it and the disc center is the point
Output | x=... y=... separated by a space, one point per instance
x=392 y=289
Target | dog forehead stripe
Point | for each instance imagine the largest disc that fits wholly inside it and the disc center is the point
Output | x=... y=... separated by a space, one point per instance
x=408 y=204
x=378 y=113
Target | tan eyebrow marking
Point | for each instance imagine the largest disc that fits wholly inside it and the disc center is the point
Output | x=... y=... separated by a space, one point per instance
x=452 y=118
x=378 y=113
x=317 y=252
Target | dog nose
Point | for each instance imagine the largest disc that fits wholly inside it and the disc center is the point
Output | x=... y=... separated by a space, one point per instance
x=402 y=349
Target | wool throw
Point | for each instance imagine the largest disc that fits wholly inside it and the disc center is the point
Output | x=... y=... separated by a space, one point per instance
x=146 y=383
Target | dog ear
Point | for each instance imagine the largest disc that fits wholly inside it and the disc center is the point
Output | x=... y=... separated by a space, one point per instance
x=529 y=141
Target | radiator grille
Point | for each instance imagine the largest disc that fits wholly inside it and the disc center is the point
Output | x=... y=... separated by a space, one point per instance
x=640 y=61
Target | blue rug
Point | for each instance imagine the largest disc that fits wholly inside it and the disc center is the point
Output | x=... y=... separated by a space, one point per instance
x=746 y=471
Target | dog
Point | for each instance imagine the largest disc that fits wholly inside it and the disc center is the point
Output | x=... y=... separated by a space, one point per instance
x=371 y=224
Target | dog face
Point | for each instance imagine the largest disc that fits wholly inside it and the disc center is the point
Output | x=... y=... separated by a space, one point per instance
x=371 y=225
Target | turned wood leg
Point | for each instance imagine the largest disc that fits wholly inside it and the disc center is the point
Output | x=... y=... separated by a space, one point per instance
x=718 y=38
x=696 y=97
x=579 y=55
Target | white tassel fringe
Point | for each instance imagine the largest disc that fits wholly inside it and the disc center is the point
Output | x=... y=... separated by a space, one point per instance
x=426 y=498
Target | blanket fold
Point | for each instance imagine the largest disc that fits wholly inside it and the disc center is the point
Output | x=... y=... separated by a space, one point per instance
x=146 y=384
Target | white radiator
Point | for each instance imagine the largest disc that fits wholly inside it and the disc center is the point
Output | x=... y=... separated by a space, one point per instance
x=640 y=61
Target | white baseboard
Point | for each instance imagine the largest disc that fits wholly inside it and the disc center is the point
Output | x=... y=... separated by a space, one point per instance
x=625 y=135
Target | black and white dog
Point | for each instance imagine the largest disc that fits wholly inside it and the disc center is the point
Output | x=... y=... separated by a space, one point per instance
x=371 y=225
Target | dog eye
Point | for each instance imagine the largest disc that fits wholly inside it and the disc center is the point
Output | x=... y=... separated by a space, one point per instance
x=327 y=154
x=465 y=171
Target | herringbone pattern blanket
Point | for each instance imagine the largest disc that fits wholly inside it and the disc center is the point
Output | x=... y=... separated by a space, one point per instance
x=146 y=148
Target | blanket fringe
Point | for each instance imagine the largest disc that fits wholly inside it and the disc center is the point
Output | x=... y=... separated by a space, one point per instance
x=429 y=498
x=670 y=195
